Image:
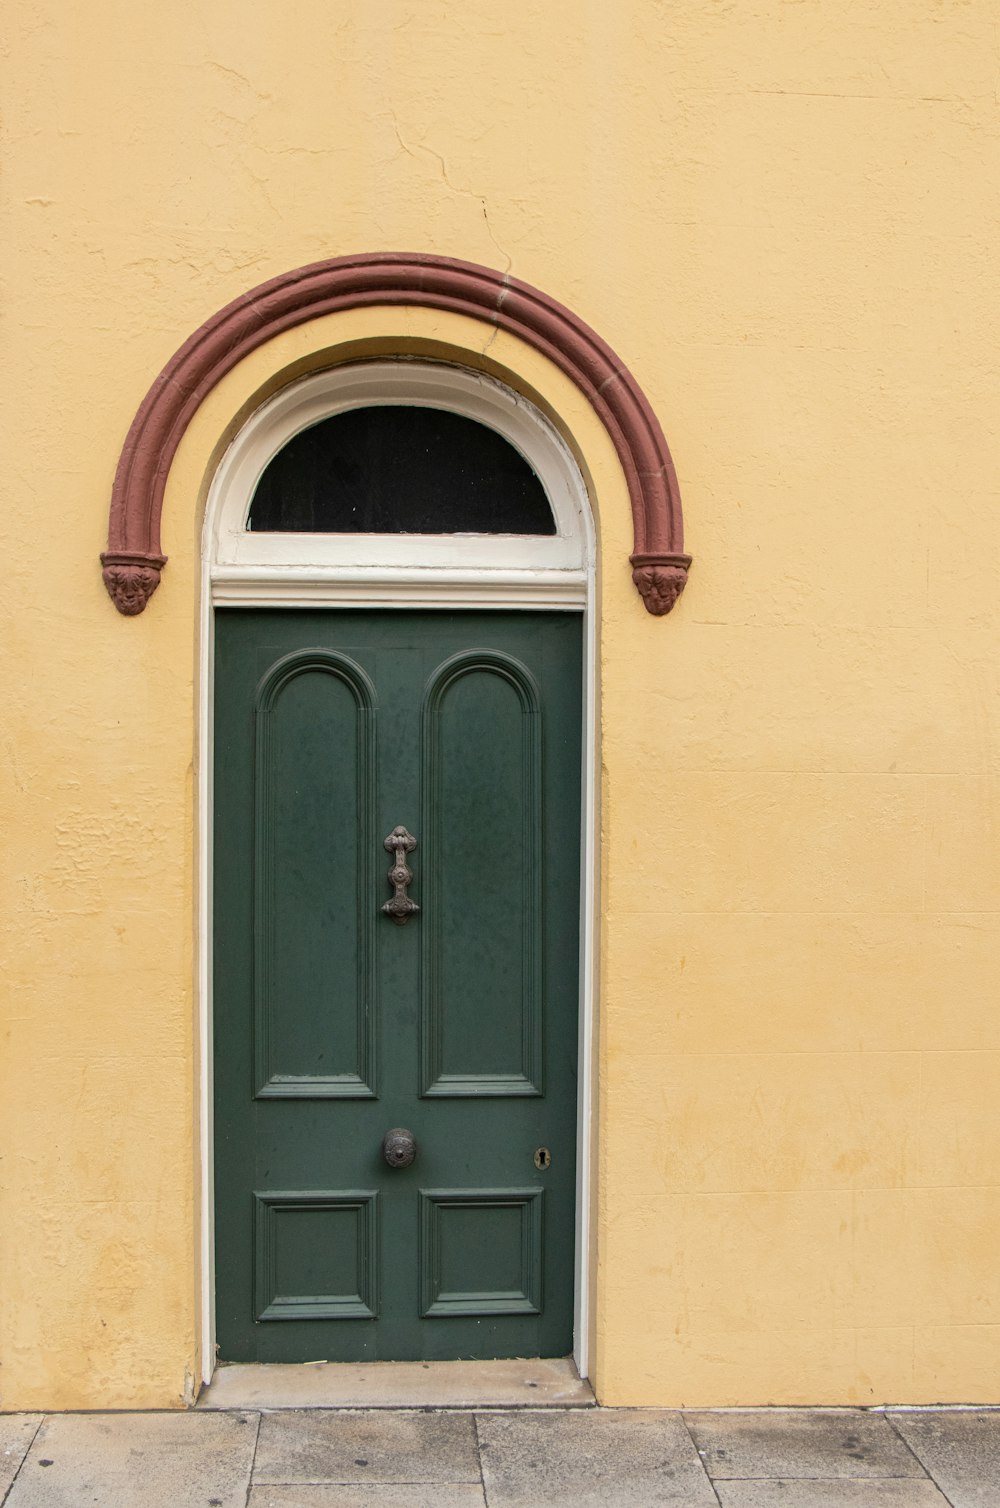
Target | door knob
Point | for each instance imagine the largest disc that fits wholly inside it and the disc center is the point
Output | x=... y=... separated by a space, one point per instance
x=399 y=1147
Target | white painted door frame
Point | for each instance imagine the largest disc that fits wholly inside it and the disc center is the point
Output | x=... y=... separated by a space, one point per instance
x=555 y=573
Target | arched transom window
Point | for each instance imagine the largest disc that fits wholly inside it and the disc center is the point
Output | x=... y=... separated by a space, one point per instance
x=411 y=469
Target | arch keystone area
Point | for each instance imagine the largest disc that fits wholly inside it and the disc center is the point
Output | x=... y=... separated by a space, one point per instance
x=133 y=561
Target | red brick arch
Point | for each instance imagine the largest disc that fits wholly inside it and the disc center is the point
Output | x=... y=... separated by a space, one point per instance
x=133 y=561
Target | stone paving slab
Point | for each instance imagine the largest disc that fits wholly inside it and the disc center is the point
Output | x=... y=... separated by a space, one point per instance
x=793 y=1443
x=843 y=1492
x=371 y=1445
x=16 y=1434
x=430 y=1495
x=517 y=1458
x=961 y=1451
x=619 y=1458
x=124 y=1460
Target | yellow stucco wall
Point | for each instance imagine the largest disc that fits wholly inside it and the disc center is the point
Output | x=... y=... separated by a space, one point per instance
x=783 y=217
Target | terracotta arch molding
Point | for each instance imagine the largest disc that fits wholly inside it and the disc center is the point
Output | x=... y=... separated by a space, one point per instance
x=133 y=560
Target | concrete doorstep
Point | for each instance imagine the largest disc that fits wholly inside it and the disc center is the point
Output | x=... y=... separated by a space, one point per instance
x=545 y=1383
x=551 y=1457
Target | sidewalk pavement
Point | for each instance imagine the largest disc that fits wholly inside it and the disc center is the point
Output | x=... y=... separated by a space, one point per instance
x=492 y=1458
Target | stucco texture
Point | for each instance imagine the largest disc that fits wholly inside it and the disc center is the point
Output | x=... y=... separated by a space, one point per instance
x=783 y=216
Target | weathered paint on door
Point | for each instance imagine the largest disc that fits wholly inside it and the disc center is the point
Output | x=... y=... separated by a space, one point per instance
x=334 y=1025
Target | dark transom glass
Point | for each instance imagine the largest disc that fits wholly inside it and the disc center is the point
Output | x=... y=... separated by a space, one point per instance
x=400 y=469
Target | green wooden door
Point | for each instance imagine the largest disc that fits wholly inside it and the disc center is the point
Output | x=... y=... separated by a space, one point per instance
x=334 y=1024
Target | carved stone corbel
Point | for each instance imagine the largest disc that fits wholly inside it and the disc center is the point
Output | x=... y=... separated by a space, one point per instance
x=660 y=579
x=131 y=579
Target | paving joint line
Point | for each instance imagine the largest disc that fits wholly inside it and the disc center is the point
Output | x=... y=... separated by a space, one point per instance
x=34 y=1436
x=873 y=1477
x=700 y=1458
x=479 y=1457
x=253 y=1461
x=909 y=1448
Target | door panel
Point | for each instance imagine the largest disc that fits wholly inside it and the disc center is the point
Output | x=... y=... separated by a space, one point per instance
x=481 y=1251
x=314 y=1254
x=333 y=1024
x=314 y=791
x=481 y=785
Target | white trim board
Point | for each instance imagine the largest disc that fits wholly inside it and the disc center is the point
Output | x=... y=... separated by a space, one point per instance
x=358 y=571
x=313 y=586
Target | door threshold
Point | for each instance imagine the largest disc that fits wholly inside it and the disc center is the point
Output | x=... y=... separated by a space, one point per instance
x=535 y=1383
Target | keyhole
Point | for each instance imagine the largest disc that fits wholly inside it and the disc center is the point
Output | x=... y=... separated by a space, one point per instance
x=542 y=1157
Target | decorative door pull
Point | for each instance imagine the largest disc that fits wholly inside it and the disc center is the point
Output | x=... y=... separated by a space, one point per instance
x=399 y=843
x=399 y=1147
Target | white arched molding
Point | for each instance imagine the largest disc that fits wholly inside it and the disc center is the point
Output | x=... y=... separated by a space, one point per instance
x=257 y=568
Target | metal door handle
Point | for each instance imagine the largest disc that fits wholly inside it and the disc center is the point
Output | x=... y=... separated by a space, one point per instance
x=399 y=1147
x=399 y=843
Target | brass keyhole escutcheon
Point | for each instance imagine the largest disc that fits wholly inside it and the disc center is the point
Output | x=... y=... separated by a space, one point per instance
x=542 y=1157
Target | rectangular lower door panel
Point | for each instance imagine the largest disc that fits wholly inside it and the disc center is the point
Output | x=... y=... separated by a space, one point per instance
x=316 y=1254
x=481 y=1251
